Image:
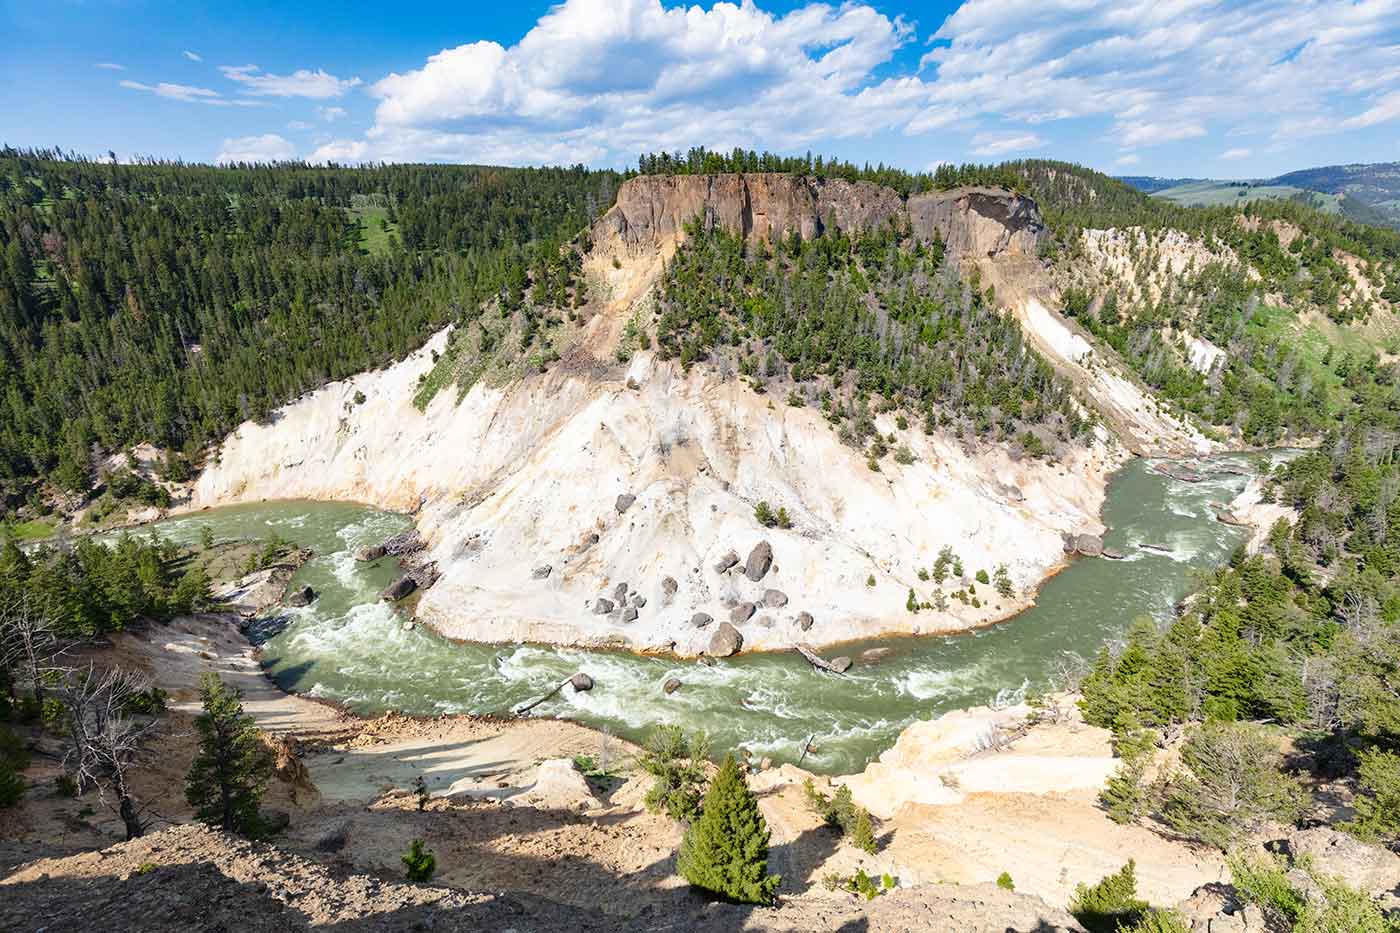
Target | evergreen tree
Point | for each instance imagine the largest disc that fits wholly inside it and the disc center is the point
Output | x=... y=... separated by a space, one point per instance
x=419 y=864
x=227 y=778
x=1110 y=904
x=1124 y=796
x=862 y=832
x=725 y=852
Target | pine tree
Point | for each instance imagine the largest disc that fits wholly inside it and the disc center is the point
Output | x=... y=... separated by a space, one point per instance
x=226 y=780
x=862 y=832
x=1124 y=796
x=419 y=864
x=725 y=852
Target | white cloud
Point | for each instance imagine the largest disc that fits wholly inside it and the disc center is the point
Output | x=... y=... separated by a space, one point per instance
x=110 y=66
x=1384 y=110
x=266 y=148
x=193 y=56
x=1235 y=154
x=999 y=144
x=186 y=93
x=1128 y=158
x=299 y=125
x=331 y=114
x=318 y=84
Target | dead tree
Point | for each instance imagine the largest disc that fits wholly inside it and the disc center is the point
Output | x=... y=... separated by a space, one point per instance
x=28 y=642
x=105 y=738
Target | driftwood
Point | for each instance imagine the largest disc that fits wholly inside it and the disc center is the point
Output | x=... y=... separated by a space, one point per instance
x=580 y=681
x=815 y=660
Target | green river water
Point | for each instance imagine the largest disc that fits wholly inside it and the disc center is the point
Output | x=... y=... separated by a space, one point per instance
x=350 y=648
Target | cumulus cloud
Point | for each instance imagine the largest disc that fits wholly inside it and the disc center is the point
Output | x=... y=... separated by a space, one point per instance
x=1235 y=154
x=603 y=80
x=1128 y=158
x=266 y=148
x=331 y=114
x=110 y=66
x=299 y=125
x=999 y=144
x=318 y=84
x=192 y=56
x=186 y=93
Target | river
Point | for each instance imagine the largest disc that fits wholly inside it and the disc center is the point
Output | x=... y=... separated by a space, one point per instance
x=350 y=648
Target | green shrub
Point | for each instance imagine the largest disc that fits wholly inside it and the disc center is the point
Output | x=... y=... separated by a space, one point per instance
x=1378 y=804
x=865 y=886
x=912 y=603
x=1004 y=881
x=1124 y=796
x=11 y=785
x=870 y=580
x=982 y=577
x=1158 y=921
x=862 y=832
x=1111 y=903
x=65 y=786
x=725 y=852
x=763 y=514
x=678 y=765
x=1332 y=906
x=419 y=864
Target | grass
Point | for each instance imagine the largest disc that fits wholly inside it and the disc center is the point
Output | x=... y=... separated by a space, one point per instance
x=376 y=232
x=1216 y=193
x=34 y=530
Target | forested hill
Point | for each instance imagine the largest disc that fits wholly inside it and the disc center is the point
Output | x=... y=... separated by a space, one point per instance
x=165 y=302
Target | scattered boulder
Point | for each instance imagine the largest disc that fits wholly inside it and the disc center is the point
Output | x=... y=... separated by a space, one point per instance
x=300 y=597
x=1113 y=554
x=701 y=619
x=841 y=665
x=542 y=572
x=398 y=589
x=669 y=586
x=774 y=599
x=629 y=614
x=602 y=606
x=638 y=600
x=804 y=620
x=334 y=838
x=559 y=786
x=671 y=685
x=624 y=502
x=742 y=613
x=725 y=562
x=405 y=542
x=620 y=594
x=874 y=654
x=1373 y=868
x=760 y=559
x=369 y=552
x=1088 y=545
x=581 y=682
x=726 y=640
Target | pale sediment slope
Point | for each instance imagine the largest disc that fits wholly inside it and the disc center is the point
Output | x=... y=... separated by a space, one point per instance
x=513 y=479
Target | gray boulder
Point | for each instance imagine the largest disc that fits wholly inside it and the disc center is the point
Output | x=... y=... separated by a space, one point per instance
x=541 y=572
x=726 y=640
x=624 y=502
x=629 y=614
x=742 y=613
x=804 y=620
x=671 y=685
x=1088 y=545
x=369 y=552
x=333 y=839
x=774 y=599
x=581 y=682
x=669 y=586
x=725 y=562
x=841 y=665
x=701 y=619
x=602 y=606
x=637 y=600
x=760 y=559
x=620 y=593
x=398 y=589
x=300 y=597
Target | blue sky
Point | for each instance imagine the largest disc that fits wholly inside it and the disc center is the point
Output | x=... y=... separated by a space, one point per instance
x=1160 y=87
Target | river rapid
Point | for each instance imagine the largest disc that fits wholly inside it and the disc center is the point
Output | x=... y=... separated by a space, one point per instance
x=350 y=648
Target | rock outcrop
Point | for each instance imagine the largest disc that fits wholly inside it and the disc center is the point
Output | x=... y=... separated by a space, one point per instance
x=726 y=640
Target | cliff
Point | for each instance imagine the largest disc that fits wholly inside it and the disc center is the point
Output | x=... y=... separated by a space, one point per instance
x=651 y=211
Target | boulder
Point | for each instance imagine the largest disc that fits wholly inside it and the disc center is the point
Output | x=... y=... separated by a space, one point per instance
x=1088 y=545
x=559 y=786
x=804 y=620
x=620 y=594
x=701 y=619
x=760 y=559
x=1370 y=867
x=637 y=600
x=742 y=613
x=405 y=542
x=398 y=589
x=726 y=640
x=300 y=597
x=841 y=665
x=629 y=614
x=334 y=838
x=669 y=586
x=541 y=572
x=624 y=502
x=874 y=654
x=774 y=599
x=369 y=552
x=602 y=606
x=725 y=562
x=581 y=682
x=671 y=685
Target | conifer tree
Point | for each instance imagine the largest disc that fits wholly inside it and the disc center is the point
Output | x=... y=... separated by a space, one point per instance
x=226 y=780
x=862 y=832
x=725 y=852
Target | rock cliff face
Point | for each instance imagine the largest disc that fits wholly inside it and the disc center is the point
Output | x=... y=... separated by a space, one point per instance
x=651 y=210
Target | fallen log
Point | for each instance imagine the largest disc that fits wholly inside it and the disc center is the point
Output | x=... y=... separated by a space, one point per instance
x=581 y=682
x=815 y=660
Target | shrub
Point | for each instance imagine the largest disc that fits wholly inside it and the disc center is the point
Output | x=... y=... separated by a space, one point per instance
x=867 y=887
x=982 y=577
x=903 y=455
x=418 y=863
x=1124 y=796
x=1378 y=804
x=65 y=786
x=763 y=514
x=1233 y=785
x=1158 y=921
x=1004 y=881
x=678 y=765
x=359 y=397
x=840 y=812
x=870 y=580
x=11 y=785
x=725 y=852
x=912 y=603
x=862 y=832
x=1328 y=905
x=1002 y=579
x=1111 y=903
x=784 y=520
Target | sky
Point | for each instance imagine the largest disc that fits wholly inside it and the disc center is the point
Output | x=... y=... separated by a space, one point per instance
x=1178 y=88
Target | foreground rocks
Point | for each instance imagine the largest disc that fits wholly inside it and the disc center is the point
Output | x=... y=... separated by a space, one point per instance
x=726 y=641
